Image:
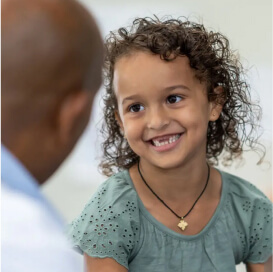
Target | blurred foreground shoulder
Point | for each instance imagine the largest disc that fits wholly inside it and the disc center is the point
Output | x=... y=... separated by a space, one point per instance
x=31 y=239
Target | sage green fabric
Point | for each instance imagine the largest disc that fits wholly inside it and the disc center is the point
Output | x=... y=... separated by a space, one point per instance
x=116 y=224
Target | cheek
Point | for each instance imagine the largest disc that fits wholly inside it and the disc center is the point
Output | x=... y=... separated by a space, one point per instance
x=196 y=118
x=132 y=129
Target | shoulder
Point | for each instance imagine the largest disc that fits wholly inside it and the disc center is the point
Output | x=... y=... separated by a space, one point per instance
x=120 y=181
x=246 y=200
x=240 y=188
x=31 y=236
x=115 y=193
x=108 y=226
x=22 y=209
x=249 y=212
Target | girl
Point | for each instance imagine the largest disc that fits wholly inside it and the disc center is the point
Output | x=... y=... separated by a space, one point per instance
x=175 y=100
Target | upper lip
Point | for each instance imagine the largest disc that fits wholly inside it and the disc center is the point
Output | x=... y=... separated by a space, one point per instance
x=163 y=136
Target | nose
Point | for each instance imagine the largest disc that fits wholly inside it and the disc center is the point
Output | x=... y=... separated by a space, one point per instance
x=157 y=119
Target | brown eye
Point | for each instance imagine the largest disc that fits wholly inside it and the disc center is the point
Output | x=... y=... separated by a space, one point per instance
x=173 y=99
x=136 y=108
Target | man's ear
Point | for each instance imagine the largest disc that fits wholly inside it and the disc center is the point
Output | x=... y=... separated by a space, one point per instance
x=73 y=115
x=118 y=119
x=217 y=104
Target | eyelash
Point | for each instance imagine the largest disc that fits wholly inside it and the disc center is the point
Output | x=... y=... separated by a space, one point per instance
x=130 y=107
x=173 y=95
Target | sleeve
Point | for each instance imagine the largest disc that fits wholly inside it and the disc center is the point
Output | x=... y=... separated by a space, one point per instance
x=260 y=232
x=109 y=224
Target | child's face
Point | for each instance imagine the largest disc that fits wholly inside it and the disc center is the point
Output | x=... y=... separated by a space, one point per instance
x=163 y=109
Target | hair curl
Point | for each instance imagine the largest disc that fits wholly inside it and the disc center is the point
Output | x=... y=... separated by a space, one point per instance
x=214 y=63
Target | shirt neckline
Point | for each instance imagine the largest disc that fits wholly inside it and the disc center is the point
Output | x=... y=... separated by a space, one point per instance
x=170 y=232
x=18 y=179
x=15 y=176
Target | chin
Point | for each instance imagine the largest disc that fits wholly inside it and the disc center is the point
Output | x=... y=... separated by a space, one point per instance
x=170 y=165
x=167 y=164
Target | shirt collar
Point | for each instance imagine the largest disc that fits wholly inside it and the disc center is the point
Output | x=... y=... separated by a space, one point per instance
x=15 y=176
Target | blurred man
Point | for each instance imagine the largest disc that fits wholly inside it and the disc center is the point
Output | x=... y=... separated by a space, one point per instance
x=51 y=70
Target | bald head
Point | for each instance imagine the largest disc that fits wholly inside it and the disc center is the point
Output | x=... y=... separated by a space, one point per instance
x=52 y=58
x=49 y=47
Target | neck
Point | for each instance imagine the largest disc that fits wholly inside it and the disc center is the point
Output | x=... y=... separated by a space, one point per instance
x=183 y=182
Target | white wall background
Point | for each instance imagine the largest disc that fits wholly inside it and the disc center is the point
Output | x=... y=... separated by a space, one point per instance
x=247 y=24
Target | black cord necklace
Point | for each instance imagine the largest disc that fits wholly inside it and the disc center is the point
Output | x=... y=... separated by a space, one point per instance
x=182 y=223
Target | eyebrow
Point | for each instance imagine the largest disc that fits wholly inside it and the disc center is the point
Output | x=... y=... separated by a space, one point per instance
x=177 y=87
x=168 y=89
x=132 y=97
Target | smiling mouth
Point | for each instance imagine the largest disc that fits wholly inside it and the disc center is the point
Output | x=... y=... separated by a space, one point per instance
x=161 y=141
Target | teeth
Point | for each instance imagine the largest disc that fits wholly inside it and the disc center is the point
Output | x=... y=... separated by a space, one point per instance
x=171 y=140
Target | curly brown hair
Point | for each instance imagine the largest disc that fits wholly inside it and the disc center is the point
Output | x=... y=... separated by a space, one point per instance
x=214 y=63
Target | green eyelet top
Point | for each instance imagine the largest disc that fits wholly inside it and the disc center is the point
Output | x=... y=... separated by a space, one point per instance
x=115 y=224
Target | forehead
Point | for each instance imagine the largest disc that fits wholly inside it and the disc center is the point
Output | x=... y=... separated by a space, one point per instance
x=143 y=71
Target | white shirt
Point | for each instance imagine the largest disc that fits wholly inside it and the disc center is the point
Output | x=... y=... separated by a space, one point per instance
x=32 y=233
x=31 y=240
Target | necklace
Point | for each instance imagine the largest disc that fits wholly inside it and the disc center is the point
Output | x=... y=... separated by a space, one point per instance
x=182 y=223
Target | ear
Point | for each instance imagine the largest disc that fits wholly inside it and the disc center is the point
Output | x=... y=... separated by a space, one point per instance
x=119 y=121
x=73 y=115
x=216 y=106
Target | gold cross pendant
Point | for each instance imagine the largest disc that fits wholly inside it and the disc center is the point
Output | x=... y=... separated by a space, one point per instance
x=182 y=224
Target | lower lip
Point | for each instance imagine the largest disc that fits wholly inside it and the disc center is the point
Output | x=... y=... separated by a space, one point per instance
x=166 y=147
